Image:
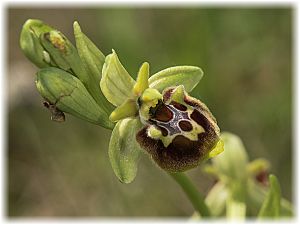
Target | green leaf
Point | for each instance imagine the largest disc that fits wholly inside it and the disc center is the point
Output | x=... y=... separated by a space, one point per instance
x=188 y=76
x=116 y=84
x=271 y=205
x=124 y=151
x=30 y=42
x=69 y=95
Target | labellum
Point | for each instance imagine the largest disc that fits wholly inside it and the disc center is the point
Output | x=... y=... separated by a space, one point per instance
x=179 y=131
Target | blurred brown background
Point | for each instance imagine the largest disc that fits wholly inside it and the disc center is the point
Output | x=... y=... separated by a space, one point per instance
x=63 y=169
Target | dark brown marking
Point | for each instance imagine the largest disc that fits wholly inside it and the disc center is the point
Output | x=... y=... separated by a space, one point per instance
x=163 y=113
x=179 y=106
x=164 y=131
x=200 y=119
x=185 y=125
x=199 y=105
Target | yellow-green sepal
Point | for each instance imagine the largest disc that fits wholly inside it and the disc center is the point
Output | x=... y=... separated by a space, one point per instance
x=69 y=95
x=124 y=151
x=188 y=76
x=116 y=83
x=30 y=42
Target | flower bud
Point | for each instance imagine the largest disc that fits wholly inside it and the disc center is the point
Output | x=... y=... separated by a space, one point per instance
x=69 y=95
x=30 y=42
x=66 y=57
x=189 y=131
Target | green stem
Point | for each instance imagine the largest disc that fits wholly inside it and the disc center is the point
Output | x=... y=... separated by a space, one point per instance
x=192 y=193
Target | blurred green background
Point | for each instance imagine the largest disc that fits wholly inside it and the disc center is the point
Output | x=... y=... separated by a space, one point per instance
x=63 y=169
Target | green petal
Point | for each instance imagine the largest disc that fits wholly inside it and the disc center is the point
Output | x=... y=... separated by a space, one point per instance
x=188 y=76
x=124 y=151
x=30 y=42
x=69 y=95
x=271 y=205
x=116 y=84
